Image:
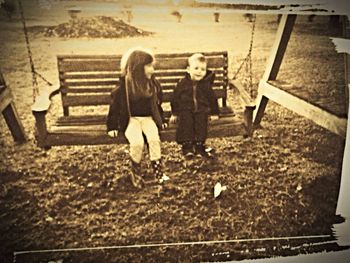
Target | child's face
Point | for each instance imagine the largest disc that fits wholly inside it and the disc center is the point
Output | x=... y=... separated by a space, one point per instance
x=197 y=70
x=149 y=70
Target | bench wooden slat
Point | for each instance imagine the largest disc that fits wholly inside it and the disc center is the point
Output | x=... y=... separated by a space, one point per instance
x=88 y=65
x=171 y=86
x=159 y=55
x=188 y=54
x=94 y=137
x=116 y=82
x=181 y=72
x=81 y=120
x=219 y=93
x=107 y=75
x=93 y=64
x=165 y=86
x=104 y=99
x=69 y=124
x=90 y=83
x=75 y=57
x=98 y=91
x=218 y=79
x=86 y=120
x=86 y=100
x=67 y=90
x=96 y=134
x=159 y=74
x=176 y=63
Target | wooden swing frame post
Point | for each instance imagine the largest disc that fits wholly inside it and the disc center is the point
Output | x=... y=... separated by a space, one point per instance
x=270 y=89
x=10 y=114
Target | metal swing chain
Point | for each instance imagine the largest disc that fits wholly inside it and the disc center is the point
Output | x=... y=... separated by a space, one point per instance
x=30 y=56
x=248 y=59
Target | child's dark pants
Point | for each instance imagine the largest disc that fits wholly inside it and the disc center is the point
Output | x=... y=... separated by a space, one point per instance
x=192 y=127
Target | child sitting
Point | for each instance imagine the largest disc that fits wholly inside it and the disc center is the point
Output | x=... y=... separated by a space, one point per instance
x=193 y=101
x=136 y=110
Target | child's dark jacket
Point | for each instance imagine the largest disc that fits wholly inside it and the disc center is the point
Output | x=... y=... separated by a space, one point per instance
x=118 y=114
x=195 y=98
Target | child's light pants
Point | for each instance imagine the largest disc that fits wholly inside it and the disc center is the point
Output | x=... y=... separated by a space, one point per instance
x=133 y=133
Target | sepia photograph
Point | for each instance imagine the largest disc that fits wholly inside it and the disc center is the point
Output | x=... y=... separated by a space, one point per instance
x=174 y=131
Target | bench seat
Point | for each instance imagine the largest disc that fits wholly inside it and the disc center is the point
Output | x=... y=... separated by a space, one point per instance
x=87 y=80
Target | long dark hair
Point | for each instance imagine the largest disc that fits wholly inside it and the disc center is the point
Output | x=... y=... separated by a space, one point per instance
x=136 y=81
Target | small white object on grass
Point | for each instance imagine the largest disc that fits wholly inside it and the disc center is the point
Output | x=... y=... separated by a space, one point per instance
x=218 y=188
x=164 y=178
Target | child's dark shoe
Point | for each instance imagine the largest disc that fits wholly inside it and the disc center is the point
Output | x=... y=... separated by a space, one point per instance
x=203 y=151
x=135 y=174
x=187 y=150
x=158 y=171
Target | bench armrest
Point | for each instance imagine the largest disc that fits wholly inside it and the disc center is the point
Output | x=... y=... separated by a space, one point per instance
x=39 y=109
x=245 y=98
x=43 y=100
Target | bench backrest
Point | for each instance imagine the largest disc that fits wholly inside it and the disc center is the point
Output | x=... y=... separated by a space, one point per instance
x=87 y=80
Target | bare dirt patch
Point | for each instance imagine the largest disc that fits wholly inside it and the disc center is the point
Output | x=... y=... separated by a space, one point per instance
x=96 y=27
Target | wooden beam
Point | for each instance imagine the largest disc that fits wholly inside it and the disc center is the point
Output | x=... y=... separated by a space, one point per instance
x=245 y=98
x=5 y=98
x=9 y=111
x=279 y=47
x=14 y=123
x=321 y=117
x=274 y=62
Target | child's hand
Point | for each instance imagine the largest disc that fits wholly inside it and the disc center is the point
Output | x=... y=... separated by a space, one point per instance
x=164 y=126
x=214 y=117
x=113 y=133
x=173 y=119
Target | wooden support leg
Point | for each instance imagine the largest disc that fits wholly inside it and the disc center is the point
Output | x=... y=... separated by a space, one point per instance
x=224 y=104
x=14 y=123
x=65 y=111
x=279 y=47
x=248 y=119
x=259 y=113
x=41 y=128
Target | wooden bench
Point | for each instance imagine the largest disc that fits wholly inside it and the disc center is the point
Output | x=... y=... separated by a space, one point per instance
x=87 y=80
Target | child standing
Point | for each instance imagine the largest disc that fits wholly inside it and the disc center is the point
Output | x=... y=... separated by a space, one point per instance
x=136 y=110
x=193 y=101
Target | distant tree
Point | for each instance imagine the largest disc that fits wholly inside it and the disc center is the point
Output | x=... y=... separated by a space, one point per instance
x=177 y=14
x=217 y=17
x=9 y=7
x=249 y=17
